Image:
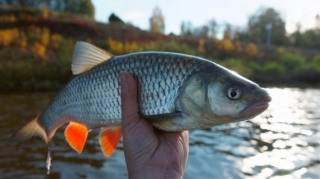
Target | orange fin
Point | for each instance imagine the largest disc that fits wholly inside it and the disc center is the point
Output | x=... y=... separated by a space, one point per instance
x=76 y=135
x=109 y=138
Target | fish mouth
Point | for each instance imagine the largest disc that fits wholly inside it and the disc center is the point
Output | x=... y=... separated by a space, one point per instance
x=257 y=107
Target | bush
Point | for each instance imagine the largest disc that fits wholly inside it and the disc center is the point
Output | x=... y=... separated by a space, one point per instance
x=273 y=69
x=239 y=66
x=252 y=50
x=316 y=62
x=291 y=62
x=171 y=46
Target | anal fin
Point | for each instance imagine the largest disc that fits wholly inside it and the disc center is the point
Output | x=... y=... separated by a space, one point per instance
x=109 y=138
x=76 y=135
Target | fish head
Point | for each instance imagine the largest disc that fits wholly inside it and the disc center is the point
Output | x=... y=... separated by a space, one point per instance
x=222 y=97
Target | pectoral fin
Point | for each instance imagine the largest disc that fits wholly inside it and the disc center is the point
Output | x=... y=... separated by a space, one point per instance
x=109 y=138
x=76 y=135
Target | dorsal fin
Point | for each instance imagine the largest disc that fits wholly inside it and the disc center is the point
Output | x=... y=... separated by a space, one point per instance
x=86 y=56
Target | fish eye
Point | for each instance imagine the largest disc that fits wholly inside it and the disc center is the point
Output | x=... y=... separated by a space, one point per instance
x=233 y=93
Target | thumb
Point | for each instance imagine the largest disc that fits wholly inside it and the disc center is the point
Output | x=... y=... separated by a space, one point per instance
x=132 y=123
x=129 y=104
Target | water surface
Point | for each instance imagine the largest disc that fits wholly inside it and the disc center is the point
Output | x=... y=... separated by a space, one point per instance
x=283 y=143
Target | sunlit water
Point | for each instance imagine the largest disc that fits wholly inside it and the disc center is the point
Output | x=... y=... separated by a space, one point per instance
x=283 y=143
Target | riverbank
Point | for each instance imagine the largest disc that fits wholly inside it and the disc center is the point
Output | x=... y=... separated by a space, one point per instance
x=36 y=49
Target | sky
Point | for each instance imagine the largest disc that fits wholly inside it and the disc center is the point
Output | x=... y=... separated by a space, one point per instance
x=199 y=12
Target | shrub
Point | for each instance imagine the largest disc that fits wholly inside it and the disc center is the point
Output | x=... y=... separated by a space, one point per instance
x=45 y=36
x=273 y=69
x=316 y=62
x=171 y=46
x=252 y=50
x=39 y=50
x=226 y=45
x=239 y=66
x=201 y=44
x=291 y=62
x=115 y=47
x=8 y=36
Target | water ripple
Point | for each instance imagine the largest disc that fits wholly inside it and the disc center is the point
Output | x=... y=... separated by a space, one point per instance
x=283 y=143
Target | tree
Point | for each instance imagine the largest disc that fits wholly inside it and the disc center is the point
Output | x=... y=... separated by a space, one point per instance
x=157 y=21
x=115 y=19
x=256 y=29
x=317 y=21
x=84 y=7
x=201 y=31
x=297 y=38
x=228 y=32
x=213 y=28
x=186 y=28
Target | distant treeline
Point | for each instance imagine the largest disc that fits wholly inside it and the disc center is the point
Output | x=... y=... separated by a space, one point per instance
x=80 y=7
x=36 y=49
x=265 y=26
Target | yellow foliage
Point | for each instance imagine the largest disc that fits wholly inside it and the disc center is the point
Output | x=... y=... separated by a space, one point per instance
x=39 y=50
x=8 y=36
x=34 y=29
x=115 y=46
x=238 y=46
x=55 y=40
x=45 y=36
x=201 y=46
x=132 y=47
x=38 y=34
x=226 y=45
x=45 y=12
x=9 y=18
x=23 y=44
x=22 y=41
x=252 y=50
x=280 y=50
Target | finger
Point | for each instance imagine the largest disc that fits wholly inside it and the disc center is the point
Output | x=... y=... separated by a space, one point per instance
x=136 y=130
x=129 y=104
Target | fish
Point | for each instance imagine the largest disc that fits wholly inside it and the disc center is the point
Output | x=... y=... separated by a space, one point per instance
x=176 y=92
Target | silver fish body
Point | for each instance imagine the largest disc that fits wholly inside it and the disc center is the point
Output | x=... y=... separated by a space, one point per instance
x=93 y=97
x=176 y=92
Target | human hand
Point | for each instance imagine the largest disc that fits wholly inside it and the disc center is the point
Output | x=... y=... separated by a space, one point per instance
x=149 y=152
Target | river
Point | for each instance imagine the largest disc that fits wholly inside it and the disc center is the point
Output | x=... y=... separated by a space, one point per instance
x=283 y=143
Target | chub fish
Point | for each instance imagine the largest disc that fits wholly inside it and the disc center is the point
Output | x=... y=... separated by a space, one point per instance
x=176 y=92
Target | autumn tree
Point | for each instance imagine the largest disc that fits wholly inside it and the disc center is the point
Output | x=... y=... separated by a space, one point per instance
x=256 y=29
x=157 y=21
x=84 y=7
x=228 y=32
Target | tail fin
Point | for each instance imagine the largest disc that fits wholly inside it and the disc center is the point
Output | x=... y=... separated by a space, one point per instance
x=32 y=130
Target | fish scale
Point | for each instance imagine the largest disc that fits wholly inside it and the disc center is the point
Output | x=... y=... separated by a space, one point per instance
x=92 y=93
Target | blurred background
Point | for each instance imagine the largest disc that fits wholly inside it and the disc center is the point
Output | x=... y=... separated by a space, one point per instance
x=274 y=43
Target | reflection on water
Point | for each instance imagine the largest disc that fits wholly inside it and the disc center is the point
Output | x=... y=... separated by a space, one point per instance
x=282 y=143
